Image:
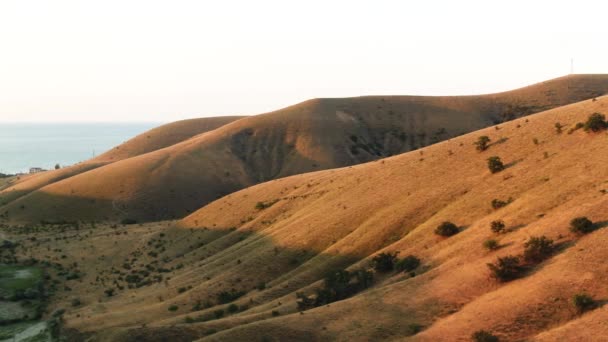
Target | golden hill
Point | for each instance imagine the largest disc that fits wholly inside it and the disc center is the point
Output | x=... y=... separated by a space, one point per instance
x=314 y=135
x=155 y=139
x=272 y=240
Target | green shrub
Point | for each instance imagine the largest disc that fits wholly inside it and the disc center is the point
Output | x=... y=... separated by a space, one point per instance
x=495 y=164
x=76 y=302
x=109 y=292
x=506 y=268
x=384 y=262
x=232 y=308
x=491 y=244
x=596 y=122
x=128 y=221
x=408 y=264
x=482 y=143
x=538 y=248
x=581 y=225
x=447 y=229
x=583 y=302
x=483 y=336
x=498 y=226
x=275 y=313
x=173 y=308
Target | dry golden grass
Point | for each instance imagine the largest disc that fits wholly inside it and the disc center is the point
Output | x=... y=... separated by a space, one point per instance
x=172 y=182
x=340 y=218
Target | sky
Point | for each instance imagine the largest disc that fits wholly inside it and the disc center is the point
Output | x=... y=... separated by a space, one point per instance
x=161 y=61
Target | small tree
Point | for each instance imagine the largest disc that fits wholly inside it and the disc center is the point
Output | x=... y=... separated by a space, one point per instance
x=446 y=229
x=581 y=225
x=498 y=226
x=408 y=264
x=506 y=268
x=583 y=302
x=57 y=166
x=483 y=336
x=495 y=164
x=538 y=248
x=482 y=143
x=596 y=122
x=384 y=262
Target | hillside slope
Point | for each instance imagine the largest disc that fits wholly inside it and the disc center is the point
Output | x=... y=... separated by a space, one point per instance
x=272 y=240
x=154 y=139
x=314 y=135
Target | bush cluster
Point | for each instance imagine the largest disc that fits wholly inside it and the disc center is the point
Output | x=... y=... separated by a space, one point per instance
x=581 y=225
x=495 y=164
x=447 y=229
x=337 y=285
x=596 y=122
x=538 y=248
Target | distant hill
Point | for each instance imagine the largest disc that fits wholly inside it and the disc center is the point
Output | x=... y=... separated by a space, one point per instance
x=314 y=135
x=231 y=270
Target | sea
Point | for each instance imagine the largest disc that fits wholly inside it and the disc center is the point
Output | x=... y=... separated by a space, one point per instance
x=43 y=145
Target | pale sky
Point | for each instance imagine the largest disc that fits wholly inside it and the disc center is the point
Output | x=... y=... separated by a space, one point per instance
x=132 y=60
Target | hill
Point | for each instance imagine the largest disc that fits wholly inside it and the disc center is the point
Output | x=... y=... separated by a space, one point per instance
x=157 y=138
x=232 y=270
x=314 y=135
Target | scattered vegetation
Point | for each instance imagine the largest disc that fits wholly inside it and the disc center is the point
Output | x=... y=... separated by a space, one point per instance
x=596 y=122
x=384 y=262
x=483 y=336
x=583 y=302
x=264 y=205
x=226 y=297
x=337 y=286
x=491 y=244
x=495 y=164
x=408 y=264
x=538 y=248
x=581 y=225
x=497 y=204
x=447 y=229
x=482 y=143
x=498 y=226
x=506 y=268
x=558 y=128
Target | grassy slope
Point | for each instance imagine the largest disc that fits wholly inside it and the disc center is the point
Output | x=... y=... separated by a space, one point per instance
x=314 y=135
x=157 y=138
x=342 y=217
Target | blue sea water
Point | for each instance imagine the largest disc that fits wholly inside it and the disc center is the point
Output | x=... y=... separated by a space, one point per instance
x=25 y=145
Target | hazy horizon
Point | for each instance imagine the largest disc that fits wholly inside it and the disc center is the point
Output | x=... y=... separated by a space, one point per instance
x=161 y=61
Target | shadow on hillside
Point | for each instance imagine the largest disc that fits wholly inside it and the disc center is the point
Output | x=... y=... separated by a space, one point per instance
x=498 y=142
x=516 y=228
x=600 y=225
x=513 y=163
x=212 y=260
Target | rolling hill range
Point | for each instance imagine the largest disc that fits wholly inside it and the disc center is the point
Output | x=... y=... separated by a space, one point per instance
x=232 y=270
x=191 y=171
